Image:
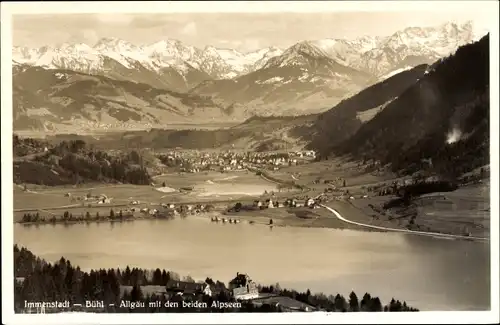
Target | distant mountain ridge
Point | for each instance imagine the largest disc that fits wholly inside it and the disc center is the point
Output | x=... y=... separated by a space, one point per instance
x=307 y=78
x=216 y=63
x=363 y=53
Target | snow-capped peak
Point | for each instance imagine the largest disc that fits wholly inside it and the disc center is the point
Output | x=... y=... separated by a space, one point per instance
x=297 y=54
x=305 y=48
x=210 y=50
x=114 y=44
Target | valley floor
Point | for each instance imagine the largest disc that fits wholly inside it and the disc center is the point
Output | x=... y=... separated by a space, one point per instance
x=461 y=212
x=464 y=210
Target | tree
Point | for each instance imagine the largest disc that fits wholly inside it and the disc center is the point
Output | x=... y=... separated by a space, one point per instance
x=365 y=302
x=376 y=305
x=136 y=293
x=339 y=302
x=238 y=206
x=164 y=184
x=277 y=288
x=111 y=213
x=157 y=277
x=87 y=215
x=165 y=277
x=353 y=302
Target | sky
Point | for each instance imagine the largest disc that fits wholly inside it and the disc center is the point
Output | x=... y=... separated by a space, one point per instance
x=241 y=31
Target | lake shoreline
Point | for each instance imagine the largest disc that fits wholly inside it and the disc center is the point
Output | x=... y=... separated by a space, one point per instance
x=277 y=222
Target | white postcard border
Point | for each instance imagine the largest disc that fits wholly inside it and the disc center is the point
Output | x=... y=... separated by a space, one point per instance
x=9 y=9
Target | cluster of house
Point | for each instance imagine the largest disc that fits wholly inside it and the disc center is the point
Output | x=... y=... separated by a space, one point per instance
x=291 y=203
x=99 y=199
x=241 y=288
x=172 y=210
x=226 y=161
x=224 y=220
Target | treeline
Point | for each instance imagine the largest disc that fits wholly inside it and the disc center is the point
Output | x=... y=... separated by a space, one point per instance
x=37 y=280
x=73 y=162
x=421 y=188
x=27 y=146
x=338 y=303
x=69 y=217
x=282 y=183
x=162 y=213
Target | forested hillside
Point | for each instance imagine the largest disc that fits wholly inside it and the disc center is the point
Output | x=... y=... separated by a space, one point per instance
x=343 y=120
x=74 y=162
x=444 y=117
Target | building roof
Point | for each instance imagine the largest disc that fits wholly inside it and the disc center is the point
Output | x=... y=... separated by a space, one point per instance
x=285 y=302
x=183 y=286
x=241 y=279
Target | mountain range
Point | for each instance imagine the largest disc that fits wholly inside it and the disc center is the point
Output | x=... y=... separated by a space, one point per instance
x=120 y=84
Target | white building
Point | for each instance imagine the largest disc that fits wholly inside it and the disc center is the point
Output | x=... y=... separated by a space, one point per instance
x=207 y=290
x=243 y=287
x=245 y=293
x=271 y=204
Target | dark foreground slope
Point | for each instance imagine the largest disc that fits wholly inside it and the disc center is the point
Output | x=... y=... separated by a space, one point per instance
x=40 y=280
x=343 y=120
x=444 y=116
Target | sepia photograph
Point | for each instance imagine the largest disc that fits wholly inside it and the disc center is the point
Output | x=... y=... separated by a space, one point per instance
x=237 y=162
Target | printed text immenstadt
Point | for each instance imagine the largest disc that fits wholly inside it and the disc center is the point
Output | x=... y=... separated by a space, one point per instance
x=131 y=304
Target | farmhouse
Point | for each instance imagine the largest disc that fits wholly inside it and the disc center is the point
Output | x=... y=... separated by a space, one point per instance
x=243 y=287
x=184 y=288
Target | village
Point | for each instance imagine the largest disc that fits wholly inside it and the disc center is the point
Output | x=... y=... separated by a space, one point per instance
x=196 y=161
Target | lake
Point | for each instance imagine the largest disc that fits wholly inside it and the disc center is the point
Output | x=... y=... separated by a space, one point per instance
x=430 y=274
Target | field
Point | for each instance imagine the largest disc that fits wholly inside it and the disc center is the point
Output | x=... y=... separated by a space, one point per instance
x=297 y=217
x=335 y=170
x=463 y=210
x=49 y=201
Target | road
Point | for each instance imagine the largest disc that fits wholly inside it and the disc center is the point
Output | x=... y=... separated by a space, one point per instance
x=413 y=232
